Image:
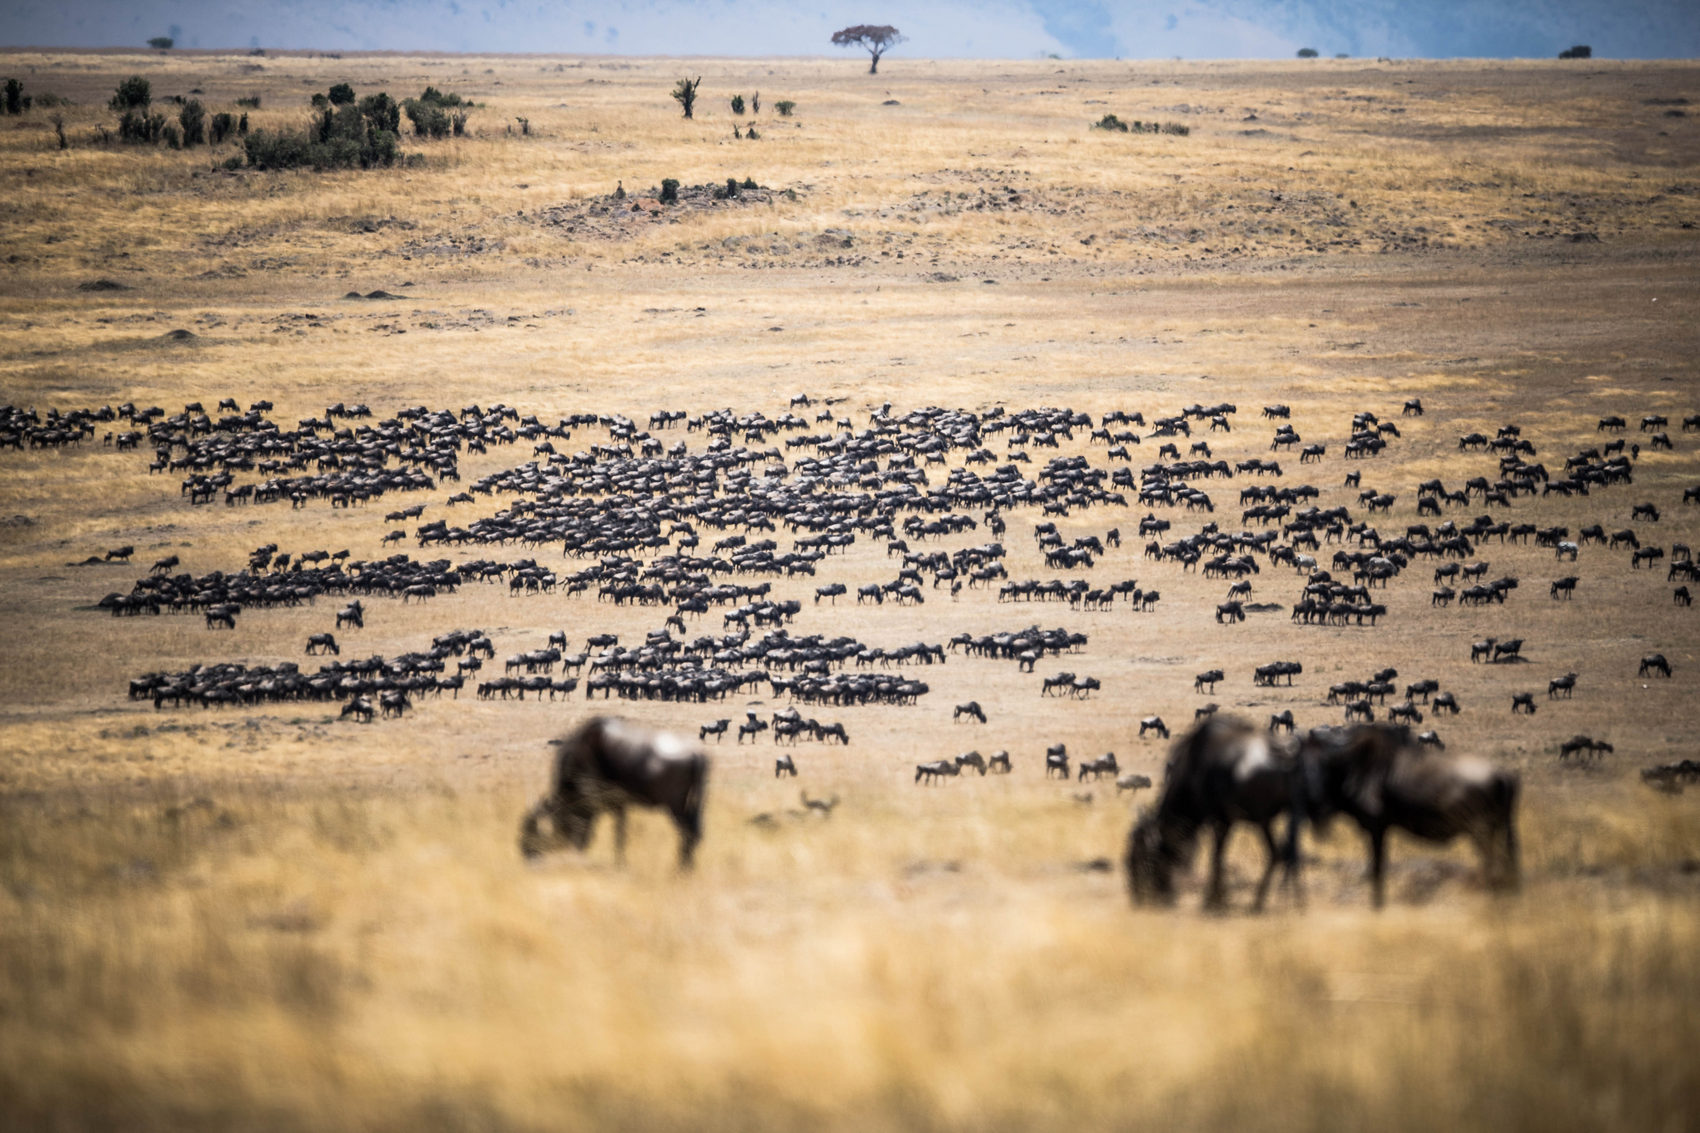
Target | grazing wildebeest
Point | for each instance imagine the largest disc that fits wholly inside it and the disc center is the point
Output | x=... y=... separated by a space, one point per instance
x=1282 y=719
x=1224 y=771
x=122 y=554
x=1153 y=724
x=1432 y=739
x=784 y=766
x=1446 y=702
x=1376 y=775
x=1565 y=586
x=1682 y=597
x=1132 y=781
x=223 y=614
x=822 y=807
x=1098 y=768
x=608 y=764
x=1523 y=702
x=1672 y=777
x=360 y=708
x=937 y=769
x=1056 y=761
x=320 y=642
x=971 y=759
x=1512 y=649
x=999 y=763
x=1583 y=745
x=716 y=729
x=1653 y=663
x=353 y=614
x=972 y=708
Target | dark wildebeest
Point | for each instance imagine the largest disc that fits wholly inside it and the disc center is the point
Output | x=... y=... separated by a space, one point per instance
x=1653 y=663
x=1583 y=746
x=1378 y=776
x=1153 y=724
x=784 y=766
x=1056 y=761
x=936 y=770
x=972 y=708
x=999 y=763
x=608 y=764
x=1222 y=772
x=716 y=729
x=320 y=642
x=1098 y=768
x=972 y=759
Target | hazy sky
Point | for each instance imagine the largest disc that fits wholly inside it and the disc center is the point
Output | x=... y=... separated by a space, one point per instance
x=1129 y=29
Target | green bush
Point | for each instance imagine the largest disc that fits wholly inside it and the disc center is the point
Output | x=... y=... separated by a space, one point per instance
x=252 y=102
x=1307 y=53
x=429 y=120
x=669 y=191
x=223 y=125
x=140 y=128
x=14 y=97
x=1580 y=51
x=346 y=137
x=134 y=93
x=381 y=111
x=751 y=133
x=785 y=106
x=737 y=104
x=162 y=42
x=193 y=119
x=1110 y=122
x=341 y=95
x=319 y=101
x=171 y=135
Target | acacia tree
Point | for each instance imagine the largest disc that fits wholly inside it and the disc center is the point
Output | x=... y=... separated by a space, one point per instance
x=874 y=40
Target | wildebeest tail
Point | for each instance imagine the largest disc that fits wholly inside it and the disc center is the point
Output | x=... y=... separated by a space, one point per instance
x=694 y=792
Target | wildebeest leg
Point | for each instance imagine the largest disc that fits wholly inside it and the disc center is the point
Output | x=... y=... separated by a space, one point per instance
x=1214 y=898
x=1377 y=864
x=1269 y=868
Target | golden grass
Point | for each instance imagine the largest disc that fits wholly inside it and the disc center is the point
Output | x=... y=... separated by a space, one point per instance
x=269 y=919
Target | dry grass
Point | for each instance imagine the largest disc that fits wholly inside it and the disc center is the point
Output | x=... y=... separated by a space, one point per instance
x=267 y=919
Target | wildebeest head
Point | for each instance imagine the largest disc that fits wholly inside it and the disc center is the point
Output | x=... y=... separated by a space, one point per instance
x=556 y=820
x=1155 y=849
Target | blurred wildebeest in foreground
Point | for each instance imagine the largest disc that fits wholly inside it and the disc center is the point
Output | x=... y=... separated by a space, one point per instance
x=1221 y=772
x=1383 y=779
x=608 y=764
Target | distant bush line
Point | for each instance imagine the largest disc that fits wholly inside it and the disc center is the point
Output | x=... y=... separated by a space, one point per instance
x=1116 y=125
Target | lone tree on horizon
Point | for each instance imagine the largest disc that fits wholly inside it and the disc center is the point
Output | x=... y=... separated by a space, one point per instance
x=874 y=40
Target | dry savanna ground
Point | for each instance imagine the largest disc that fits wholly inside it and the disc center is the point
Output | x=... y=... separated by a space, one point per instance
x=266 y=917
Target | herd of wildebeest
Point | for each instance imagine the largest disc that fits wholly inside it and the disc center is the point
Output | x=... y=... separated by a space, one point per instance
x=779 y=497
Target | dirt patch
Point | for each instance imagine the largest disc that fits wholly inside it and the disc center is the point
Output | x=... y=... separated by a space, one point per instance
x=618 y=216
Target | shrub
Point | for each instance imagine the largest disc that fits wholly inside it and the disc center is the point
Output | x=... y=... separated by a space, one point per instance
x=139 y=127
x=1307 y=53
x=242 y=125
x=669 y=191
x=341 y=95
x=1580 y=51
x=234 y=162
x=1110 y=122
x=429 y=119
x=14 y=97
x=319 y=101
x=737 y=104
x=172 y=136
x=381 y=111
x=223 y=125
x=162 y=42
x=48 y=100
x=134 y=93
x=751 y=133
x=785 y=106
x=193 y=119
x=749 y=183
x=343 y=137
x=252 y=102
x=755 y=103
x=685 y=93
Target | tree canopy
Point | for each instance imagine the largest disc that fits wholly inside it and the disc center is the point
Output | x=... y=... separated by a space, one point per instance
x=876 y=41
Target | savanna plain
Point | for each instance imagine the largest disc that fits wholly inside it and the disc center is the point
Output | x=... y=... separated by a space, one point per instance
x=269 y=916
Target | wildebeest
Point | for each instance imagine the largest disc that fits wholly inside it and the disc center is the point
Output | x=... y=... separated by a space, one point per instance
x=323 y=642
x=608 y=764
x=1565 y=684
x=1153 y=724
x=1512 y=649
x=1224 y=771
x=784 y=766
x=1653 y=663
x=1056 y=761
x=1282 y=719
x=716 y=729
x=971 y=759
x=1583 y=745
x=360 y=708
x=999 y=763
x=1376 y=775
x=1206 y=682
x=937 y=769
x=972 y=709
x=353 y=614
x=1132 y=781
x=1523 y=702
x=1098 y=768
